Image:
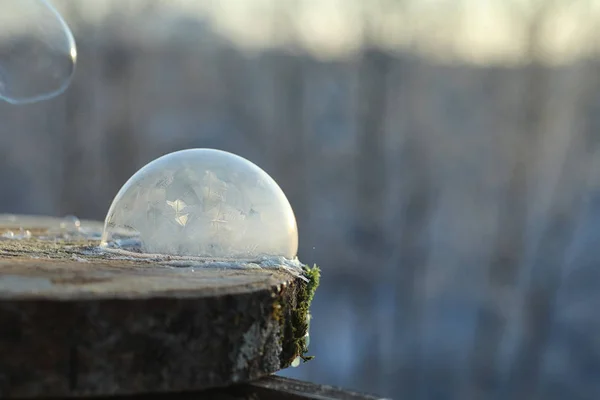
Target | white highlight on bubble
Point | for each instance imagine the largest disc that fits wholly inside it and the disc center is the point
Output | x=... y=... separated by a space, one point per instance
x=37 y=51
x=203 y=203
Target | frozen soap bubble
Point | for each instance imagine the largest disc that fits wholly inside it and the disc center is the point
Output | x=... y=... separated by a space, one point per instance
x=206 y=203
x=37 y=51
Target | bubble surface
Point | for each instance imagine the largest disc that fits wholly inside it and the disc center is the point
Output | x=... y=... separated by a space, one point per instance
x=70 y=223
x=37 y=51
x=206 y=203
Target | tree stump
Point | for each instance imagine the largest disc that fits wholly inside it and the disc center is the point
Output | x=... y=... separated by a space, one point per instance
x=77 y=322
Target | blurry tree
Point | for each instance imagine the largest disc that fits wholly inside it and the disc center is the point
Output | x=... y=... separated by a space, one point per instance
x=117 y=70
x=374 y=67
x=72 y=149
x=399 y=254
x=510 y=270
x=289 y=142
x=542 y=274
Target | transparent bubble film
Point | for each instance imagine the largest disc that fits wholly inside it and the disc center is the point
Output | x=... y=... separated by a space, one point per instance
x=204 y=203
x=37 y=51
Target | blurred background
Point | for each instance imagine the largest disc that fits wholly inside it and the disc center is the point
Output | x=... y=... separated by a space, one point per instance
x=442 y=158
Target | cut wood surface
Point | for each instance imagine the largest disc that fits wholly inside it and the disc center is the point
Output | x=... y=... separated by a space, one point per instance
x=74 y=322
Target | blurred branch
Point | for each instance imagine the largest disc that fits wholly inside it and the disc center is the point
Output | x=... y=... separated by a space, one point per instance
x=509 y=250
x=373 y=25
x=284 y=25
x=544 y=277
x=294 y=157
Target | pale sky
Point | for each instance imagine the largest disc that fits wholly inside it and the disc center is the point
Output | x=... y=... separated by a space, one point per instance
x=479 y=31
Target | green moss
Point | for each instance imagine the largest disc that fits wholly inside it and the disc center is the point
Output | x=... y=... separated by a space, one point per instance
x=296 y=328
x=277 y=311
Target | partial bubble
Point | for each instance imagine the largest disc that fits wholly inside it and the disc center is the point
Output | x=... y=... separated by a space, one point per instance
x=205 y=203
x=70 y=223
x=24 y=234
x=37 y=51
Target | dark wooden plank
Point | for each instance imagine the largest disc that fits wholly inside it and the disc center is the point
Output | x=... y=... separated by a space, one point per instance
x=268 y=388
x=75 y=322
x=276 y=387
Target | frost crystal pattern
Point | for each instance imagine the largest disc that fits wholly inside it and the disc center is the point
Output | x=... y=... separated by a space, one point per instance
x=203 y=202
